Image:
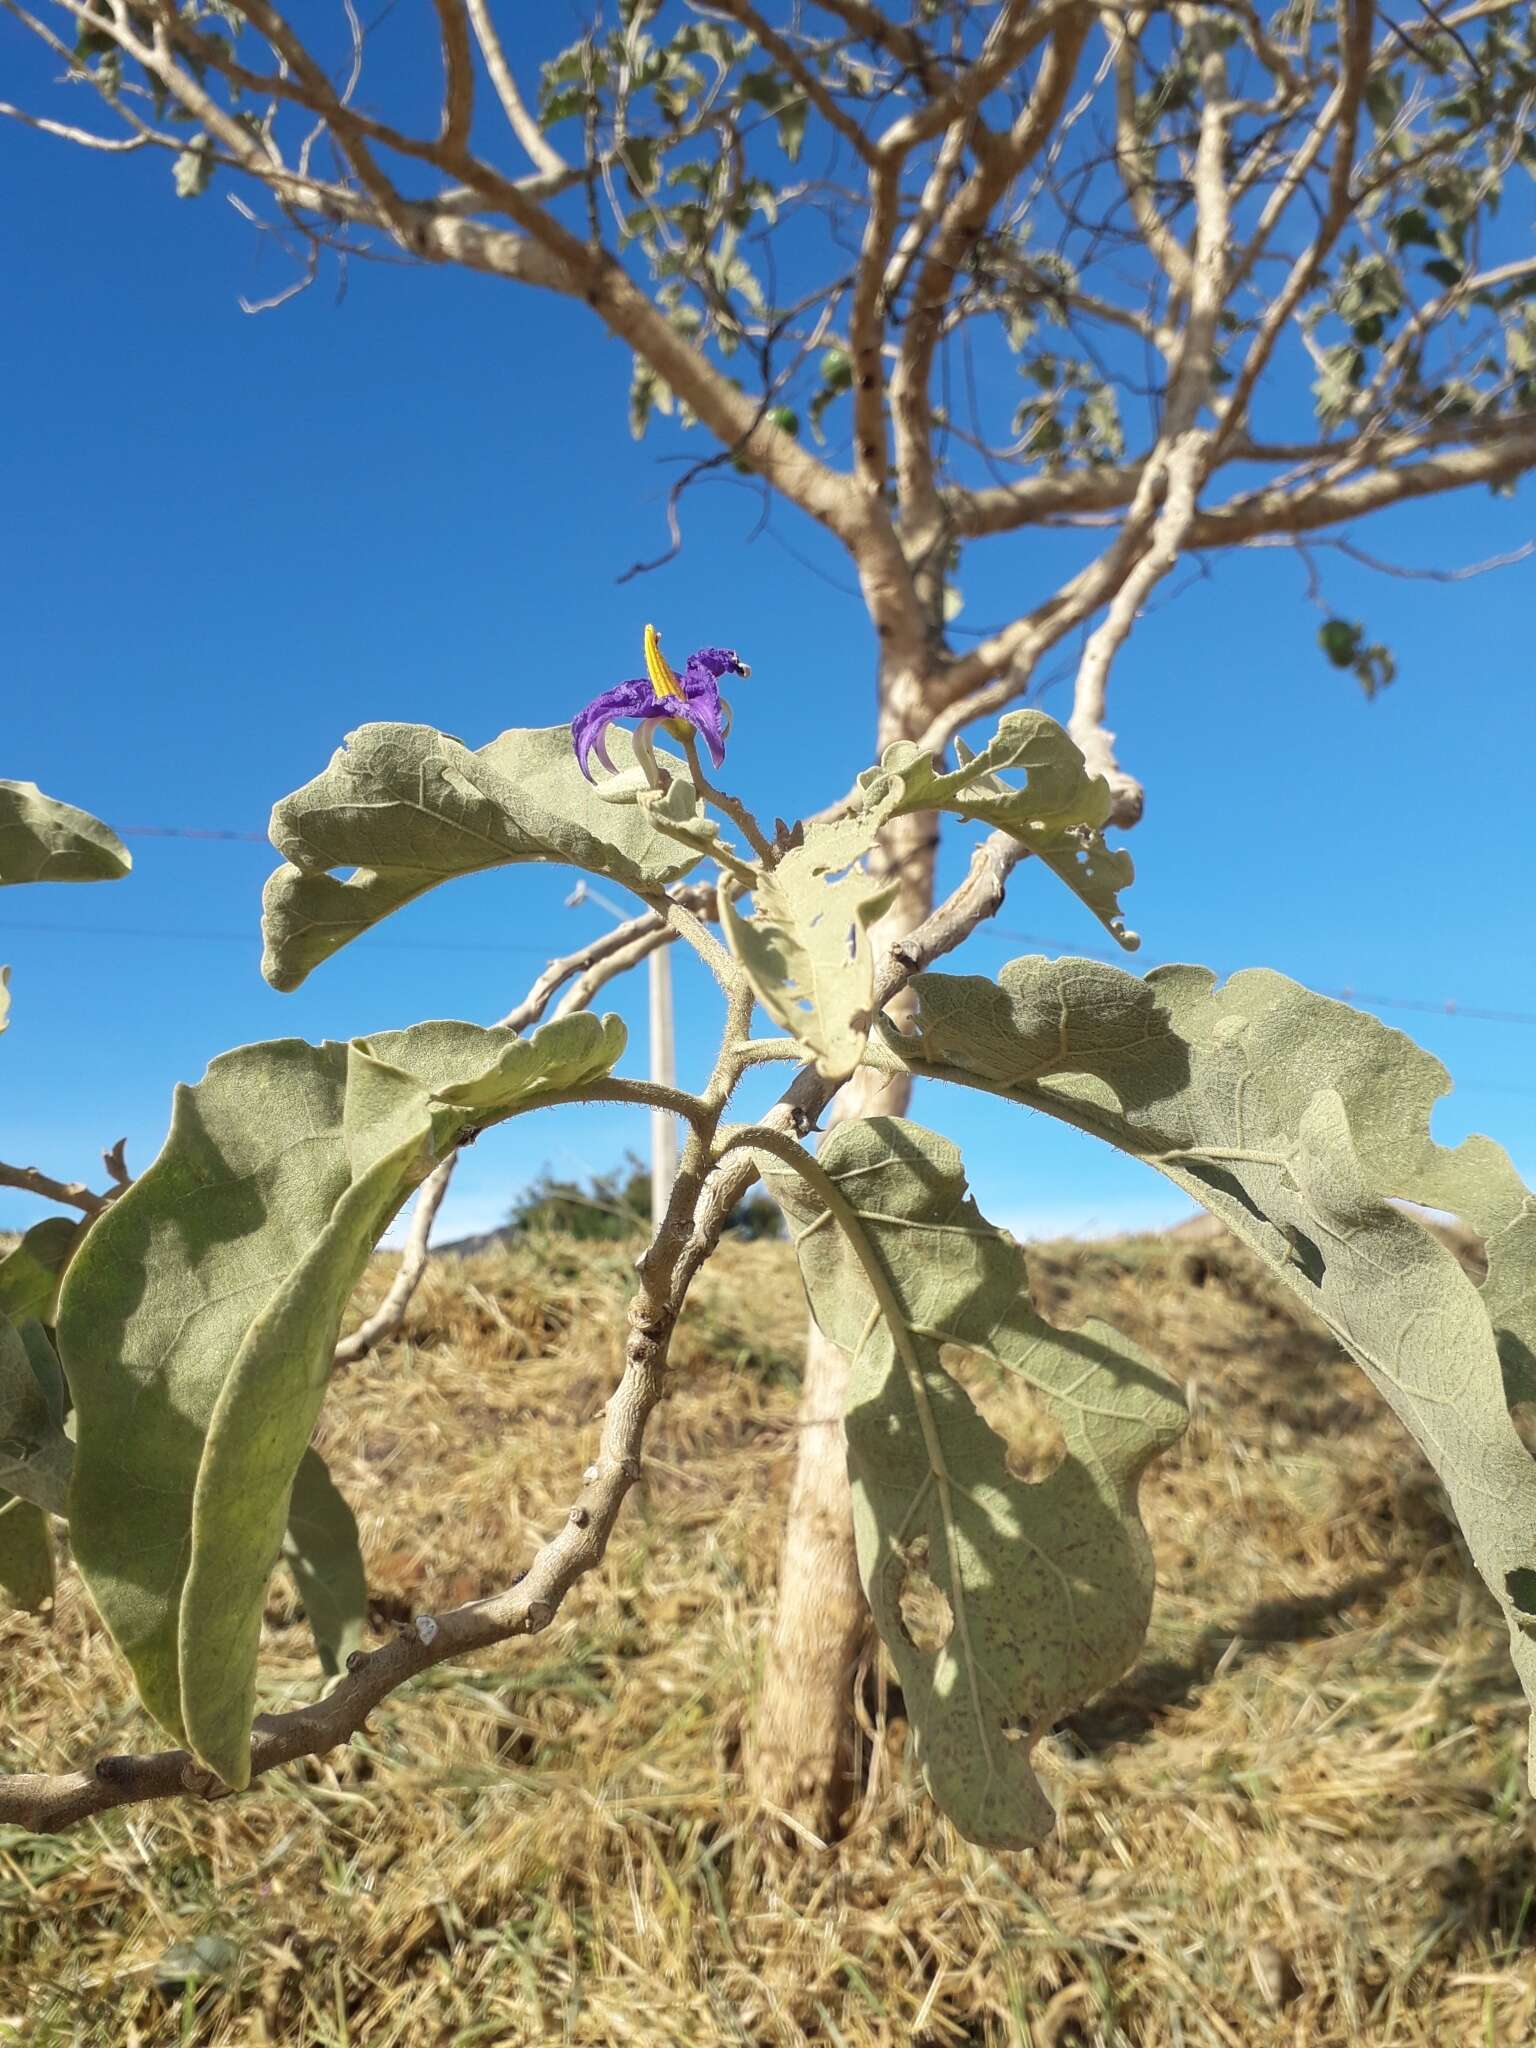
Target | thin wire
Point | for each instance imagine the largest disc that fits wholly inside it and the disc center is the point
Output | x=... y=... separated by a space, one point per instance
x=181 y=935
x=130 y=931
x=188 y=832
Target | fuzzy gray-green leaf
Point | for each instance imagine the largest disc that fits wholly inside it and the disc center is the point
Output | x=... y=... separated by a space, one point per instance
x=408 y=807
x=43 y=840
x=31 y=1271
x=1058 y=811
x=26 y=1556
x=197 y=1324
x=35 y=1454
x=321 y=1549
x=1300 y=1123
x=806 y=947
x=1049 y=1584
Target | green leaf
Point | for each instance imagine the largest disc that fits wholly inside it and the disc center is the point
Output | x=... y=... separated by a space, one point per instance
x=806 y=948
x=408 y=807
x=35 y=1454
x=1057 y=812
x=43 y=840
x=30 y=1272
x=26 y=1556
x=1299 y=1122
x=1048 y=1583
x=198 y=1319
x=791 y=125
x=1411 y=227
x=321 y=1549
x=837 y=369
x=193 y=168
x=1340 y=641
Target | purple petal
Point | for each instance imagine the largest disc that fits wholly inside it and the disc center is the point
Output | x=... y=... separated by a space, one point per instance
x=632 y=699
x=705 y=711
x=713 y=662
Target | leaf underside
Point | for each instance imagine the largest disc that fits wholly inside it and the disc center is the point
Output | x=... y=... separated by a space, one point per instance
x=43 y=840
x=198 y=1320
x=806 y=948
x=26 y=1556
x=321 y=1550
x=35 y=1454
x=1300 y=1123
x=408 y=807
x=1058 y=811
x=1048 y=1583
x=31 y=1271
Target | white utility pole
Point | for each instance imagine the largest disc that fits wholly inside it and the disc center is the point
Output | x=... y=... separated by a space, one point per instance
x=663 y=1056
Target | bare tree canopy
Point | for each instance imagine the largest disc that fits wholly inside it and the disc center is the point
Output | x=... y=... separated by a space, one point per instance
x=1186 y=278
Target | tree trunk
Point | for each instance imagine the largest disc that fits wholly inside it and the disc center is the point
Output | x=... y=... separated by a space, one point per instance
x=803 y=1741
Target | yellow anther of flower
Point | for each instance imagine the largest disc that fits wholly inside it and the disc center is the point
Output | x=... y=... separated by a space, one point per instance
x=661 y=672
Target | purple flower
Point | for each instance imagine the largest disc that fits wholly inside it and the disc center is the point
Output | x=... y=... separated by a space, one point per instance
x=679 y=703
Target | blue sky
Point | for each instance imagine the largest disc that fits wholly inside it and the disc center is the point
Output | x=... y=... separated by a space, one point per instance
x=231 y=539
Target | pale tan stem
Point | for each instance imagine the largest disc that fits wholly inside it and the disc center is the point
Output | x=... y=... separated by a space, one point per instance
x=387 y=1318
x=541 y=151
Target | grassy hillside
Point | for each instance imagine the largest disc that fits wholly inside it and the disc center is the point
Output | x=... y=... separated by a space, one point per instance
x=1301 y=1820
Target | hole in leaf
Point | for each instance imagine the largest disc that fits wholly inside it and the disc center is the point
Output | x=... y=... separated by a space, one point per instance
x=1520 y=1585
x=1035 y=1446
x=927 y=1619
x=1523 y=1415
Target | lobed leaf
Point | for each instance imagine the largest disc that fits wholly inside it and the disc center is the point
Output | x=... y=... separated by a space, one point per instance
x=408 y=807
x=43 y=840
x=321 y=1549
x=1301 y=1123
x=198 y=1320
x=1049 y=1584
x=806 y=948
x=1058 y=812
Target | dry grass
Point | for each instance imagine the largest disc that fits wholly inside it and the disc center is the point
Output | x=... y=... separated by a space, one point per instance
x=1301 y=1820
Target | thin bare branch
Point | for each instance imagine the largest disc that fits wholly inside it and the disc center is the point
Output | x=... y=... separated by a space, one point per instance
x=541 y=151
x=1341 y=119
x=1164 y=244
x=31 y=1180
x=458 y=76
x=65 y=132
x=836 y=116
x=386 y=1319
x=585 y=989
x=964 y=221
